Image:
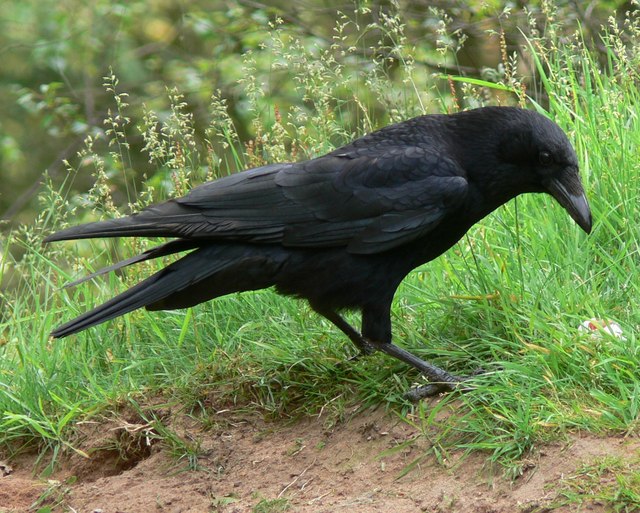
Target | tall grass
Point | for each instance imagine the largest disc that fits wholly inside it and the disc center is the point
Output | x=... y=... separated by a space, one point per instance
x=508 y=298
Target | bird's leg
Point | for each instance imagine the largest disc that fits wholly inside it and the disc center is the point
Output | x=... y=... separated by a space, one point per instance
x=376 y=327
x=365 y=347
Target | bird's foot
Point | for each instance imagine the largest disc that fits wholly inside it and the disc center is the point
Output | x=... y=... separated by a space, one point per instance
x=450 y=384
x=419 y=392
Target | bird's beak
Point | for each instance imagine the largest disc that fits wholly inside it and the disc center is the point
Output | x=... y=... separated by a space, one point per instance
x=568 y=191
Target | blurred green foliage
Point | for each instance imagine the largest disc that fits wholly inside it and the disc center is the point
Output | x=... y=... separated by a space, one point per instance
x=55 y=54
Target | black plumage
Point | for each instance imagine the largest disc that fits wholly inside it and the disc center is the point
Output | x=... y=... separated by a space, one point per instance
x=344 y=229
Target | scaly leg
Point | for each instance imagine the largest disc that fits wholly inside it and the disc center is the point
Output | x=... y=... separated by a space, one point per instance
x=376 y=335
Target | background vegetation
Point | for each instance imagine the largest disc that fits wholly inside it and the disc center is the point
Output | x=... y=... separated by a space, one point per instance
x=55 y=53
x=127 y=103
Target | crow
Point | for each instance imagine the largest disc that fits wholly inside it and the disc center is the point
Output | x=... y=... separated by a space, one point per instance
x=344 y=229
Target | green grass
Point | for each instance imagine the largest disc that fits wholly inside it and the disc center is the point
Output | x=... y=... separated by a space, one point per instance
x=272 y=505
x=611 y=481
x=508 y=298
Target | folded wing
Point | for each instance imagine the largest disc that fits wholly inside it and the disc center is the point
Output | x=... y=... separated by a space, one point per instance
x=367 y=201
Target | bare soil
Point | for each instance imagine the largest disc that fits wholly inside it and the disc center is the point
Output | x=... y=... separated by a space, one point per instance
x=246 y=464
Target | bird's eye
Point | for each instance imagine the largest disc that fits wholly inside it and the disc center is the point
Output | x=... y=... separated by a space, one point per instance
x=545 y=158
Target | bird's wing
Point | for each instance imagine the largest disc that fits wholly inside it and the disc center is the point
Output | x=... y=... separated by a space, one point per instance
x=369 y=201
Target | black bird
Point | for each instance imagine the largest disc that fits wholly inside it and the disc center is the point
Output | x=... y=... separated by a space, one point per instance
x=344 y=229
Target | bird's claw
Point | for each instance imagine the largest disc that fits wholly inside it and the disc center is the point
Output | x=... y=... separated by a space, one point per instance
x=457 y=383
x=415 y=394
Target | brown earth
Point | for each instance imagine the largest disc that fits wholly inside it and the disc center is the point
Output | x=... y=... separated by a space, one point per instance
x=248 y=464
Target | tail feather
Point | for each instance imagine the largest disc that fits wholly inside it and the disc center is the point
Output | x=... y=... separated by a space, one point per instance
x=208 y=272
x=126 y=302
x=169 y=248
x=175 y=277
x=164 y=220
x=122 y=227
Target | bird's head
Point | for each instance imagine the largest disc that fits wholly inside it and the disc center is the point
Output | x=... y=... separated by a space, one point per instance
x=543 y=159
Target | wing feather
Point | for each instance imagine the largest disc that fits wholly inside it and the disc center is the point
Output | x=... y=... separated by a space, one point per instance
x=366 y=198
x=367 y=202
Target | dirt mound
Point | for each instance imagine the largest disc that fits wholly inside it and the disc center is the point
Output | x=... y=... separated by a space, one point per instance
x=245 y=463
